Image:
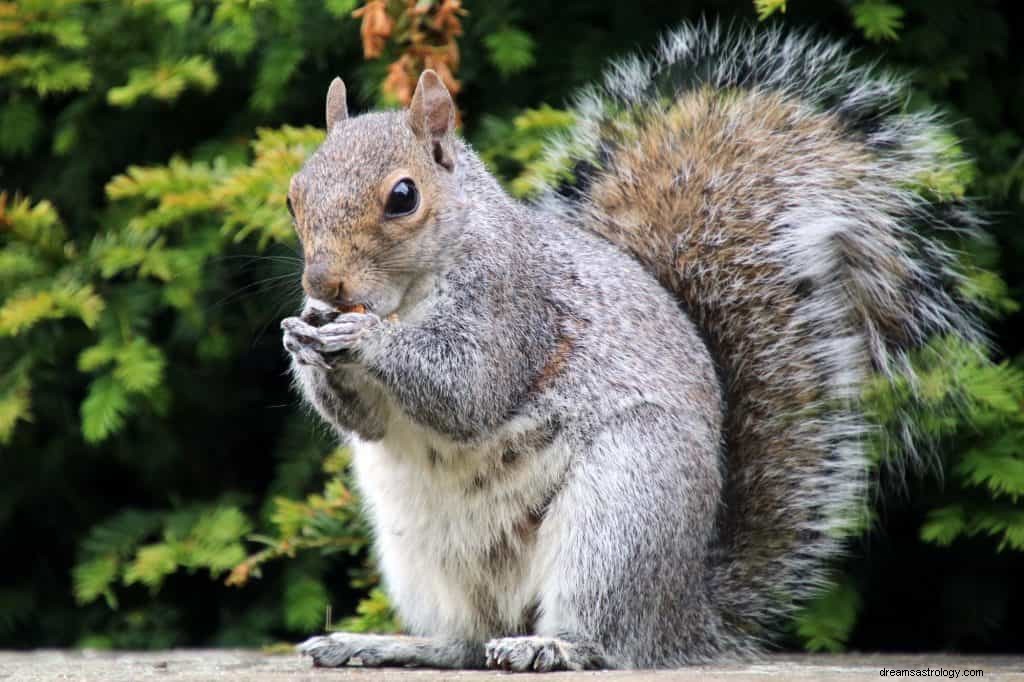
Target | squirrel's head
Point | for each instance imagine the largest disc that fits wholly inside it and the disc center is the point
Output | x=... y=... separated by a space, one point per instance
x=366 y=204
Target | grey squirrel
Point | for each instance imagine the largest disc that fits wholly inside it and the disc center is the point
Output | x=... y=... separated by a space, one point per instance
x=620 y=426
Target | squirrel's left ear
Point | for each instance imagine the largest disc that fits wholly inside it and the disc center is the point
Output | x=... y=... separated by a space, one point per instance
x=432 y=117
x=337 y=109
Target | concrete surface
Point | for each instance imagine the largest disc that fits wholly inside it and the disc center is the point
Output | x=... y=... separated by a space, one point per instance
x=209 y=664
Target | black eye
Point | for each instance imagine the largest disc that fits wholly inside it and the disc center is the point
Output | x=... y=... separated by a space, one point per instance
x=403 y=200
x=288 y=203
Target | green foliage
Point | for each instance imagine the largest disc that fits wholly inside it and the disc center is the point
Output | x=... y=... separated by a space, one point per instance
x=19 y=127
x=164 y=81
x=510 y=50
x=949 y=180
x=104 y=409
x=305 y=601
x=14 y=401
x=373 y=614
x=210 y=204
x=825 y=624
x=514 y=149
x=958 y=392
x=990 y=473
x=878 y=19
x=327 y=523
x=125 y=548
x=997 y=467
x=766 y=8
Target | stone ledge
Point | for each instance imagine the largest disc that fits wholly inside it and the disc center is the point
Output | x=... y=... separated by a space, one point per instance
x=232 y=664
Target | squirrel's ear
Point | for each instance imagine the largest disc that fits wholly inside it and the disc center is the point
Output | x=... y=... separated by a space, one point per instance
x=432 y=116
x=337 y=109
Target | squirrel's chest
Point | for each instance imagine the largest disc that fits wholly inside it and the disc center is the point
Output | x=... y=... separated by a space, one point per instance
x=462 y=533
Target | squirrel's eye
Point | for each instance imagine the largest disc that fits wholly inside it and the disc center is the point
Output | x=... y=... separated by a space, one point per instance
x=403 y=200
x=288 y=203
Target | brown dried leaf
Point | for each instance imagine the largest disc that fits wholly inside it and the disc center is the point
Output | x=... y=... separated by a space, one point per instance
x=446 y=20
x=376 y=27
x=401 y=79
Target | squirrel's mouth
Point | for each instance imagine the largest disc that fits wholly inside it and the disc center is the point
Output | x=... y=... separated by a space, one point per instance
x=320 y=313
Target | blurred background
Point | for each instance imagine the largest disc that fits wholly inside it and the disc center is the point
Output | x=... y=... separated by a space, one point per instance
x=160 y=485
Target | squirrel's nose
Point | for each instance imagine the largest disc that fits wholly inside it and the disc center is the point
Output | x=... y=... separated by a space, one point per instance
x=324 y=283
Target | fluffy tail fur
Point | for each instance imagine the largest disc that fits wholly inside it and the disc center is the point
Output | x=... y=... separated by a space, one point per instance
x=778 y=190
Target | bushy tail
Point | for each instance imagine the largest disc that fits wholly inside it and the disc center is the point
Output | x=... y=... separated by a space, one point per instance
x=797 y=210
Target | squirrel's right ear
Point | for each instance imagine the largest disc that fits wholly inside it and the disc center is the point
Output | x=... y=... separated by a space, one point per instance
x=337 y=109
x=432 y=117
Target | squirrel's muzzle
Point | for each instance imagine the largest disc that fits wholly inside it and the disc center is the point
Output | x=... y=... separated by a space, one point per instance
x=325 y=283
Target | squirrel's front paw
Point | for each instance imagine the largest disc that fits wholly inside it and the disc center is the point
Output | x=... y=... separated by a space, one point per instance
x=321 y=346
x=300 y=340
x=346 y=331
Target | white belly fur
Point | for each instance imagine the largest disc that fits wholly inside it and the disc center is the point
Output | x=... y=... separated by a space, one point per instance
x=458 y=555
